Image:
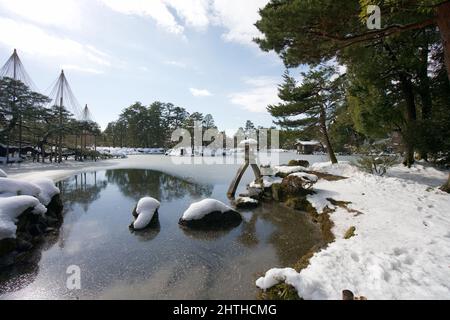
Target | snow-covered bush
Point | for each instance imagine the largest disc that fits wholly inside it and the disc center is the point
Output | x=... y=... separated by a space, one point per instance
x=375 y=160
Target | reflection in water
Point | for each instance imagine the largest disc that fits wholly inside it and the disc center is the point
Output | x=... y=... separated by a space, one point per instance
x=82 y=189
x=137 y=184
x=150 y=232
x=164 y=261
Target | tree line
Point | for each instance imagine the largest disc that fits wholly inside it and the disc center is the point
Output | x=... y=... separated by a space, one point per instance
x=395 y=80
x=141 y=126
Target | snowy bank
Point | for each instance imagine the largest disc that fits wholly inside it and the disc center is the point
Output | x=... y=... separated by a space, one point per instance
x=43 y=189
x=401 y=246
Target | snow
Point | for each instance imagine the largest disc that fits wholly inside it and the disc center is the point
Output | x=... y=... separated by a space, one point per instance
x=305 y=176
x=11 y=208
x=267 y=182
x=289 y=170
x=124 y=152
x=199 y=210
x=309 y=143
x=48 y=190
x=145 y=209
x=43 y=189
x=3 y=174
x=401 y=247
x=421 y=173
x=248 y=141
x=246 y=200
x=11 y=187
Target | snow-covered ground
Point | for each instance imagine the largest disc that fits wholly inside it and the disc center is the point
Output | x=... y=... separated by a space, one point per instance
x=401 y=247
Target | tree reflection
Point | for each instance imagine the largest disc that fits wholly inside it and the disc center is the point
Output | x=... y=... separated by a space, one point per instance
x=82 y=189
x=136 y=184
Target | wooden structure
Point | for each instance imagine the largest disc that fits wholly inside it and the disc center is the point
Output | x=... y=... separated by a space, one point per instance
x=309 y=147
x=249 y=161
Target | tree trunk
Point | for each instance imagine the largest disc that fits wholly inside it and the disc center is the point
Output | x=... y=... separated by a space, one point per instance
x=443 y=22
x=411 y=117
x=446 y=186
x=323 y=127
x=425 y=96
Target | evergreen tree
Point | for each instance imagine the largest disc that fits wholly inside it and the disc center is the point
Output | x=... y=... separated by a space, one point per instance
x=311 y=104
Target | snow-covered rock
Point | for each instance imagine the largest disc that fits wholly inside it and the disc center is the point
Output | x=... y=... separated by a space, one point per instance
x=10 y=187
x=246 y=202
x=266 y=183
x=48 y=190
x=286 y=170
x=305 y=176
x=11 y=208
x=199 y=210
x=210 y=213
x=145 y=211
x=3 y=174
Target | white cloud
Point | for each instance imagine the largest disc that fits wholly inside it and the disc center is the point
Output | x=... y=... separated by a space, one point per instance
x=155 y=9
x=38 y=43
x=80 y=69
x=200 y=92
x=61 y=13
x=262 y=92
x=238 y=17
x=195 y=13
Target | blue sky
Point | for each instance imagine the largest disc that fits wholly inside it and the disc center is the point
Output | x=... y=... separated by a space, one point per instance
x=197 y=54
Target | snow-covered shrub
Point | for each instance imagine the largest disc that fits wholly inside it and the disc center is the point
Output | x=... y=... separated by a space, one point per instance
x=375 y=160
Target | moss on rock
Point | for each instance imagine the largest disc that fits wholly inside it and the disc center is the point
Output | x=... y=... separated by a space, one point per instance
x=297 y=163
x=350 y=233
x=281 y=291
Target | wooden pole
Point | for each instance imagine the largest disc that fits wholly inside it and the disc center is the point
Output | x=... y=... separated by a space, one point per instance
x=237 y=179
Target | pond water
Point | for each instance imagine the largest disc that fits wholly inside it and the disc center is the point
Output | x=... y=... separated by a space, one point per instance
x=166 y=261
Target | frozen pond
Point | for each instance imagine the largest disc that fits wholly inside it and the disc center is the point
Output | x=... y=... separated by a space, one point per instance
x=164 y=262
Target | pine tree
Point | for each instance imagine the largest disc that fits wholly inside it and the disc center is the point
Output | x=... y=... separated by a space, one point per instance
x=313 y=103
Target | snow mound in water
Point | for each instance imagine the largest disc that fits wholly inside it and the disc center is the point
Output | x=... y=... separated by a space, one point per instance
x=11 y=208
x=146 y=209
x=199 y=210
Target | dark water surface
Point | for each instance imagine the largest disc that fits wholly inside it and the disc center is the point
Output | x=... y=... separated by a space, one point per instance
x=166 y=261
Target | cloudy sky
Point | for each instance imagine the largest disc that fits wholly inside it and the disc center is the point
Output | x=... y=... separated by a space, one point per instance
x=197 y=54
